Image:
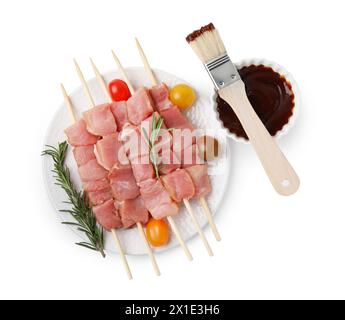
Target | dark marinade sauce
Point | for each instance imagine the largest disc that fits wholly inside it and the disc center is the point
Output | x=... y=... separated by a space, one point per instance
x=269 y=93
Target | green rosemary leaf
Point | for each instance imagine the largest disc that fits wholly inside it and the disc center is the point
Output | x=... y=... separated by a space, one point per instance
x=154 y=121
x=86 y=245
x=146 y=136
x=71 y=224
x=80 y=210
x=151 y=141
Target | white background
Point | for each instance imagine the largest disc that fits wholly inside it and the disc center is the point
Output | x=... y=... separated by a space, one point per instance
x=273 y=247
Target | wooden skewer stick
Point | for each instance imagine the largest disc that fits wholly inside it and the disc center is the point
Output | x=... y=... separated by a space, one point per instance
x=84 y=84
x=148 y=69
x=113 y=231
x=148 y=249
x=202 y=200
x=179 y=238
x=123 y=72
x=139 y=225
x=122 y=254
x=208 y=214
x=185 y=201
x=197 y=226
x=101 y=81
x=170 y=219
x=68 y=104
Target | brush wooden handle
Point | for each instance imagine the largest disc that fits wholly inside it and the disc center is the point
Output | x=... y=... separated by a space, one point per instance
x=278 y=169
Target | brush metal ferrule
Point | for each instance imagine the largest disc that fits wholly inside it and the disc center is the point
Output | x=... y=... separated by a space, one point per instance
x=222 y=71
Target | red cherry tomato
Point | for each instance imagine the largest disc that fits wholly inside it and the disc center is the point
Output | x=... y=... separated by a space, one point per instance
x=119 y=90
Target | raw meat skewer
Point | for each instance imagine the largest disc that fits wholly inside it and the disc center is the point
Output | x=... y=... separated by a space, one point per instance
x=192 y=214
x=185 y=201
x=139 y=225
x=169 y=218
x=113 y=231
x=202 y=200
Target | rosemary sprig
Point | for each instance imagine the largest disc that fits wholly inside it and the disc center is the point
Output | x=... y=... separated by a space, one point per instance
x=151 y=141
x=81 y=211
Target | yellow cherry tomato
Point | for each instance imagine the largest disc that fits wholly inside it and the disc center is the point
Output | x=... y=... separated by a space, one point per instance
x=182 y=96
x=157 y=232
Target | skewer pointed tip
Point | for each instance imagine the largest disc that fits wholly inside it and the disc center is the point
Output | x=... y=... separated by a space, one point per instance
x=76 y=64
x=63 y=89
x=114 y=55
x=93 y=65
x=138 y=44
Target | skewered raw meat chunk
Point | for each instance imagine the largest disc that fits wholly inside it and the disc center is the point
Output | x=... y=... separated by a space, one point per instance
x=200 y=179
x=147 y=123
x=99 y=197
x=92 y=171
x=119 y=110
x=139 y=106
x=157 y=199
x=133 y=142
x=168 y=162
x=142 y=168
x=163 y=139
x=96 y=185
x=107 y=215
x=184 y=148
x=78 y=135
x=160 y=97
x=179 y=185
x=109 y=151
x=100 y=120
x=133 y=211
x=174 y=118
x=172 y=115
x=83 y=154
x=122 y=182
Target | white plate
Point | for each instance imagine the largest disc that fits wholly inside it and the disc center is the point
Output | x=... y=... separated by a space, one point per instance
x=201 y=114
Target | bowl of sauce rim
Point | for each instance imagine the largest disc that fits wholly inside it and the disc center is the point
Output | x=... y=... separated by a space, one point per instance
x=291 y=84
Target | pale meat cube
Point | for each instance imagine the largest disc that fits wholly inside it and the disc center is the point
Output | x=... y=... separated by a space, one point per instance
x=163 y=137
x=100 y=120
x=122 y=182
x=160 y=97
x=78 y=135
x=168 y=162
x=139 y=106
x=133 y=141
x=179 y=185
x=119 y=110
x=83 y=154
x=142 y=168
x=107 y=215
x=174 y=118
x=98 y=197
x=96 y=185
x=200 y=179
x=157 y=199
x=110 y=151
x=92 y=171
x=133 y=211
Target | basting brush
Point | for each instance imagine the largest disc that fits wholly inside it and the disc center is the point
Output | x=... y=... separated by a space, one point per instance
x=209 y=47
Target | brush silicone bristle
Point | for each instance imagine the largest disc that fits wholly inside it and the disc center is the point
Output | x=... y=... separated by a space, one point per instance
x=206 y=43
